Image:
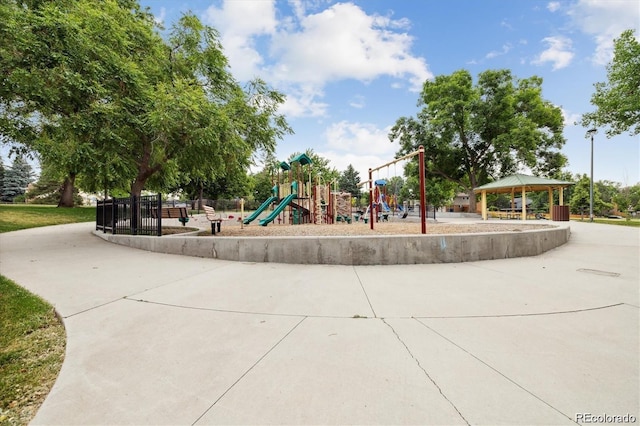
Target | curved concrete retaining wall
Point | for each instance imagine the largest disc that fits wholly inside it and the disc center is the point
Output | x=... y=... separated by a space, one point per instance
x=360 y=250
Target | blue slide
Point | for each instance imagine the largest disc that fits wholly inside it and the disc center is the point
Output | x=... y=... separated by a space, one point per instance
x=284 y=203
x=260 y=210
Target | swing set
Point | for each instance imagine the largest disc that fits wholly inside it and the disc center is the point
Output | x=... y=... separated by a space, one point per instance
x=375 y=206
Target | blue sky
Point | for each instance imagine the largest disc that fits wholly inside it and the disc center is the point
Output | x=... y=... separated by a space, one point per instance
x=351 y=69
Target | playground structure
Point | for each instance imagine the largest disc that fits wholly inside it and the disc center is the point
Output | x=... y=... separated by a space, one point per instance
x=298 y=201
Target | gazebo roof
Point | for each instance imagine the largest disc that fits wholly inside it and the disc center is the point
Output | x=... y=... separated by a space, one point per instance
x=530 y=183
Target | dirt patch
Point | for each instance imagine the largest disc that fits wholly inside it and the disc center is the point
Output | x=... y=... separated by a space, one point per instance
x=360 y=228
x=172 y=230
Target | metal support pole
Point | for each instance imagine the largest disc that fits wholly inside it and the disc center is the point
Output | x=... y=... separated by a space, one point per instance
x=370 y=200
x=591 y=132
x=591 y=185
x=423 y=198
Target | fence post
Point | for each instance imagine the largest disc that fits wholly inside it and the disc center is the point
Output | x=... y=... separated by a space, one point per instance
x=159 y=214
x=134 y=210
x=114 y=216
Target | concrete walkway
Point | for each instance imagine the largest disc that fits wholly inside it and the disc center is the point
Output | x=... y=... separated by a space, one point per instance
x=165 y=339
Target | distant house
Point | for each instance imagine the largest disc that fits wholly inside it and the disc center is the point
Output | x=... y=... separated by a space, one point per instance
x=459 y=204
x=518 y=203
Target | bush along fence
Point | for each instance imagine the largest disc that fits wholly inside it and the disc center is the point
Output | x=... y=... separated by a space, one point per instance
x=130 y=216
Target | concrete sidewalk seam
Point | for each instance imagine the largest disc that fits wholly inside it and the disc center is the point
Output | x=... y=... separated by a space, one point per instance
x=532 y=314
x=102 y=305
x=496 y=370
x=248 y=371
x=230 y=311
x=364 y=291
x=425 y=371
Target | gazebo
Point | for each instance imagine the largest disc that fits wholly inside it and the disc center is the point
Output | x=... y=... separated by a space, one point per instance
x=522 y=184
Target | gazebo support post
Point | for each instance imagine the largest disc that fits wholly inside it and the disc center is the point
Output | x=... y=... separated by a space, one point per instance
x=561 y=203
x=524 y=204
x=513 y=201
x=484 y=204
x=551 y=201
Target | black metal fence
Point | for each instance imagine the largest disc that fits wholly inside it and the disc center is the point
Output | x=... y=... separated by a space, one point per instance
x=130 y=216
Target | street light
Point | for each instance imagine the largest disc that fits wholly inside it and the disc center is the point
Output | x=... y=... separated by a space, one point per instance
x=591 y=132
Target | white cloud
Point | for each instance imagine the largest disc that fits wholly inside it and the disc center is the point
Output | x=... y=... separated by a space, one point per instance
x=363 y=138
x=343 y=42
x=362 y=145
x=315 y=45
x=239 y=23
x=505 y=49
x=504 y=23
x=553 y=6
x=302 y=102
x=160 y=18
x=357 y=101
x=569 y=118
x=605 y=20
x=559 y=52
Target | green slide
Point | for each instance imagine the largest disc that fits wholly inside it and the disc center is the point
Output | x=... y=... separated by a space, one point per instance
x=260 y=210
x=276 y=212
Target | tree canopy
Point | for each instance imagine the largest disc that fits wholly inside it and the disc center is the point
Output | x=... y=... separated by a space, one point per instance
x=473 y=133
x=618 y=100
x=97 y=92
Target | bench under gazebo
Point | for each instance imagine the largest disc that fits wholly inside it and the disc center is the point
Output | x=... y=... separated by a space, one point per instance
x=523 y=184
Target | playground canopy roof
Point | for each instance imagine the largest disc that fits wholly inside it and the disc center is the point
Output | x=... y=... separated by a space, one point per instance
x=302 y=159
x=520 y=182
x=285 y=166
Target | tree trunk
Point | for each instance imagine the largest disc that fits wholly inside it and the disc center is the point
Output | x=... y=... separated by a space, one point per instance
x=66 y=198
x=137 y=186
x=145 y=171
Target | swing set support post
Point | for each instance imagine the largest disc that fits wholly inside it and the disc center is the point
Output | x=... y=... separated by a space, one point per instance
x=423 y=198
x=371 y=199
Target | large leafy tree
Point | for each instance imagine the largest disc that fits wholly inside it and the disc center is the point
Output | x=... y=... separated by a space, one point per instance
x=94 y=89
x=71 y=69
x=581 y=198
x=198 y=119
x=474 y=133
x=618 y=100
x=628 y=199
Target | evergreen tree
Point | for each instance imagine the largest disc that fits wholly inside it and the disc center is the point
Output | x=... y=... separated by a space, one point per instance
x=349 y=181
x=1 y=174
x=16 y=178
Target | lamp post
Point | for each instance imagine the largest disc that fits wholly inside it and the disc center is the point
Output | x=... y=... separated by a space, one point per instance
x=591 y=132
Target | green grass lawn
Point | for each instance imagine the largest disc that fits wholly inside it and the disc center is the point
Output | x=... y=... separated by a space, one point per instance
x=32 y=344
x=32 y=339
x=618 y=222
x=14 y=217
